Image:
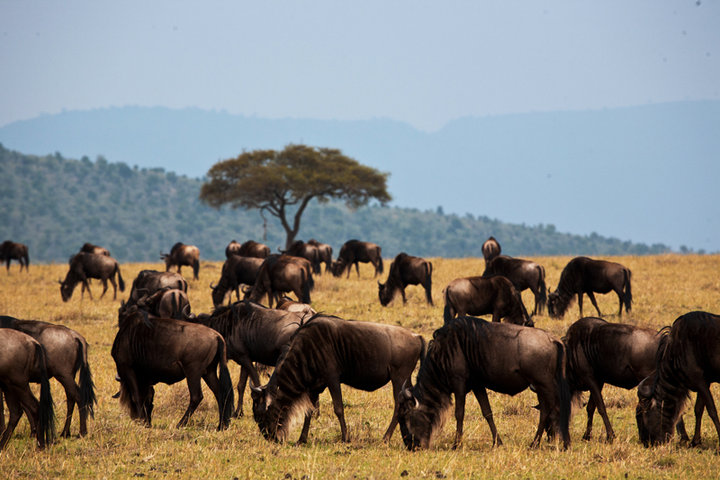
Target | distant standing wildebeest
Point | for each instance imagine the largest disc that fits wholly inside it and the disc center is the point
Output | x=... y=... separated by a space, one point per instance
x=282 y=273
x=236 y=271
x=523 y=274
x=66 y=353
x=84 y=266
x=251 y=248
x=14 y=251
x=355 y=251
x=166 y=303
x=233 y=248
x=483 y=296
x=491 y=249
x=325 y=353
x=148 y=351
x=618 y=354
x=96 y=249
x=689 y=360
x=406 y=270
x=307 y=251
x=148 y=282
x=325 y=251
x=470 y=354
x=22 y=360
x=181 y=254
x=585 y=275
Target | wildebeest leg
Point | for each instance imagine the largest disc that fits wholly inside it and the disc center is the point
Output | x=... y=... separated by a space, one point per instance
x=591 y=295
x=680 y=429
x=72 y=394
x=482 y=398
x=704 y=392
x=544 y=399
x=212 y=381
x=114 y=284
x=196 y=396
x=620 y=298
x=580 y=300
x=699 y=408
x=396 y=386
x=308 y=417
x=597 y=400
x=459 y=416
x=246 y=368
x=336 y=394
x=85 y=286
x=590 y=414
x=402 y=292
x=15 y=412
x=2 y=412
x=104 y=284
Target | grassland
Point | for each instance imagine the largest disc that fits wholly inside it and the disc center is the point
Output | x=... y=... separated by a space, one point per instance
x=664 y=287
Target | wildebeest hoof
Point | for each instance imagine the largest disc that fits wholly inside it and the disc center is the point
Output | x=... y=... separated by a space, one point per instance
x=117 y=395
x=587 y=437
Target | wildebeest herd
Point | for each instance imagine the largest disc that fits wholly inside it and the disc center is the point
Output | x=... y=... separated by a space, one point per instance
x=160 y=340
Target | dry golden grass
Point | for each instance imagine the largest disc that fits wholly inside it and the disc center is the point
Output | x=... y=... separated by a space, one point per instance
x=664 y=287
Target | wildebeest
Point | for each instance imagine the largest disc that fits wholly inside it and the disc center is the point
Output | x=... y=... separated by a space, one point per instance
x=181 y=254
x=307 y=251
x=470 y=354
x=325 y=251
x=10 y=250
x=251 y=248
x=355 y=251
x=283 y=273
x=66 y=353
x=166 y=303
x=491 y=249
x=585 y=275
x=236 y=271
x=148 y=282
x=483 y=296
x=689 y=360
x=324 y=353
x=153 y=350
x=232 y=248
x=599 y=352
x=406 y=270
x=252 y=333
x=96 y=249
x=22 y=360
x=84 y=266
x=523 y=274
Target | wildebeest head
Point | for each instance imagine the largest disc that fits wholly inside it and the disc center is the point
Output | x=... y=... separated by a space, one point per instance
x=553 y=304
x=337 y=267
x=384 y=293
x=262 y=400
x=654 y=419
x=416 y=425
x=218 y=295
x=66 y=289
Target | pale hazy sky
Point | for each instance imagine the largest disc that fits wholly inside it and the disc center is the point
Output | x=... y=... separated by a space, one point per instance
x=420 y=62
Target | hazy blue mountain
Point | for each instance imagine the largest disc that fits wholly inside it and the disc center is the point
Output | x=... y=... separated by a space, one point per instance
x=645 y=174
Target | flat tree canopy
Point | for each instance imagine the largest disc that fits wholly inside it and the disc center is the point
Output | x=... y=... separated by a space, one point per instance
x=273 y=181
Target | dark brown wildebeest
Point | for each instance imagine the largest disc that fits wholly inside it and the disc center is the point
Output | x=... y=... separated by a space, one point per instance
x=307 y=251
x=282 y=273
x=585 y=275
x=251 y=248
x=406 y=270
x=166 y=303
x=66 y=352
x=153 y=350
x=325 y=251
x=491 y=249
x=22 y=360
x=181 y=254
x=470 y=354
x=236 y=271
x=483 y=296
x=84 y=266
x=148 y=282
x=618 y=354
x=14 y=251
x=96 y=249
x=688 y=360
x=325 y=353
x=233 y=248
x=523 y=274
x=355 y=251
x=252 y=333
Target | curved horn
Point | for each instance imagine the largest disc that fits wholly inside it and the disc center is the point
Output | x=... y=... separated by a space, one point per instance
x=60 y=281
x=254 y=388
x=213 y=286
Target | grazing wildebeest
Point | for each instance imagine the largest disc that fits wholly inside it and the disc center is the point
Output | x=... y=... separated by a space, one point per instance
x=166 y=303
x=470 y=354
x=251 y=248
x=22 y=360
x=325 y=353
x=355 y=251
x=236 y=271
x=84 y=266
x=325 y=251
x=148 y=282
x=282 y=273
x=688 y=360
x=181 y=254
x=482 y=296
x=406 y=270
x=491 y=249
x=305 y=250
x=153 y=350
x=233 y=248
x=585 y=275
x=14 y=251
x=523 y=274
x=252 y=333
x=96 y=249
x=66 y=352
x=618 y=354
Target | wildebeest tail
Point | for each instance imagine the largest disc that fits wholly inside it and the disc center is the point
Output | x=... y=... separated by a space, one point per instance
x=87 y=386
x=628 y=290
x=564 y=397
x=542 y=297
x=27 y=261
x=121 y=282
x=46 y=412
x=227 y=398
x=428 y=288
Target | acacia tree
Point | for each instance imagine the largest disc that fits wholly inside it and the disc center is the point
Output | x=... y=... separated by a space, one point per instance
x=280 y=182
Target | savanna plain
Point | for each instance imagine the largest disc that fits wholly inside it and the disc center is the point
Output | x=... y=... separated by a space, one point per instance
x=664 y=287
